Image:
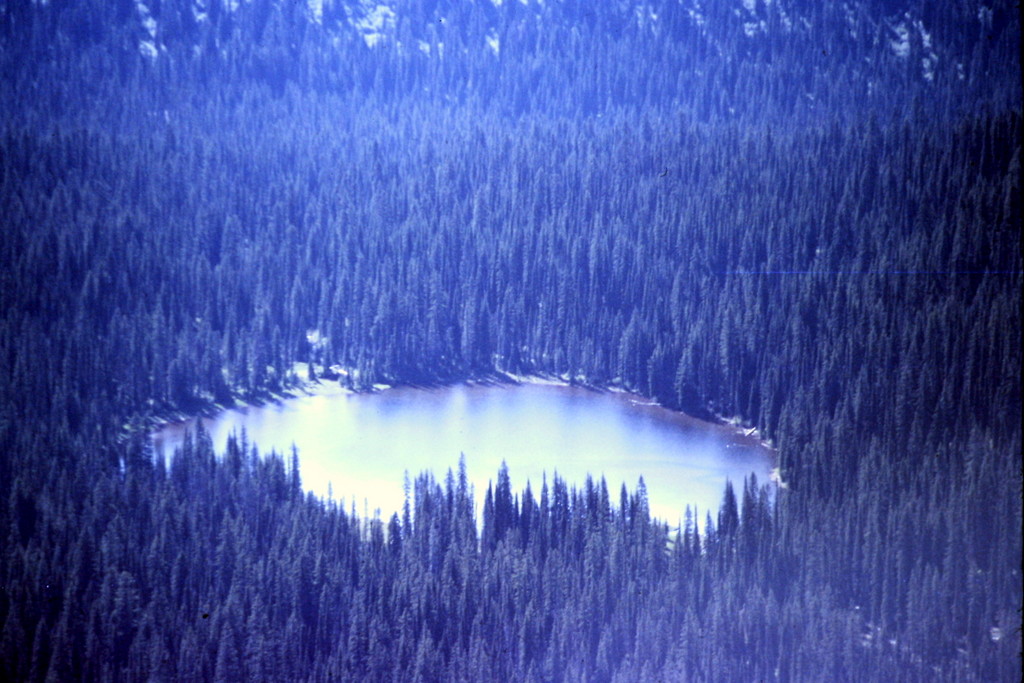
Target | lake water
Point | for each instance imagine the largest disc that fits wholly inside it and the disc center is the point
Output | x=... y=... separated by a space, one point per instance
x=358 y=446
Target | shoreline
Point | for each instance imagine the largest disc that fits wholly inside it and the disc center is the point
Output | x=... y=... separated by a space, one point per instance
x=329 y=383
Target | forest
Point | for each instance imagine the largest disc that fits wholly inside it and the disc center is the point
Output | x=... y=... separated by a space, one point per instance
x=805 y=216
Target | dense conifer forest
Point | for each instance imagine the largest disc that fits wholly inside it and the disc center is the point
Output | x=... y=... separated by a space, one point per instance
x=803 y=214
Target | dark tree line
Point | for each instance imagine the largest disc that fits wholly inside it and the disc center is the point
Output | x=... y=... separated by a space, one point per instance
x=665 y=204
x=221 y=569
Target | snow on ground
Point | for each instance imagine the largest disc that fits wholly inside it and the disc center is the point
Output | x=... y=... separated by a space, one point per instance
x=316 y=339
x=375 y=22
x=147 y=46
x=985 y=16
x=148 y=49
x=696 y=17
x=199 y=12
x=931 y=59
x=851 y=21
x=901 y=44
x=319 y=388
x=752 y=28
x=533 y=379
x=776 y=477
x=316 y=10
x=493 y=42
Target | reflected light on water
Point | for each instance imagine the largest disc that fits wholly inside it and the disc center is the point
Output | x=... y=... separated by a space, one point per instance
x=362 y=444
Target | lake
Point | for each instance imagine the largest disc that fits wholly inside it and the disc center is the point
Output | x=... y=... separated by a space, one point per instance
x=358 y=446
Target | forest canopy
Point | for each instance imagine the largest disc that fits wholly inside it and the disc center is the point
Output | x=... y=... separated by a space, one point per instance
x=805 y=216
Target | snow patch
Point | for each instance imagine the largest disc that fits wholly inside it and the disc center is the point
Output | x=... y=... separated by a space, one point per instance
x=147 y=48
x=851 y=21
x=146 y=18
x=149 y=23
x=931 y=59
x=320 y=387
x=985 y=16
x=928 y=69
x=534 y=379
x=316 y=339
x=199 y=13
x=493 y=42
x=926 y=38
x=776 y=477
x=752 y=28
x=696 y=14
x=645 y=16
x=316 y=10
x=635 y=402
x=787 y=23
x=374 y=23
x=901 y=44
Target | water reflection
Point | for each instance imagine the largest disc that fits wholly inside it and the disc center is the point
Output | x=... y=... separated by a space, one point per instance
x=361 y=445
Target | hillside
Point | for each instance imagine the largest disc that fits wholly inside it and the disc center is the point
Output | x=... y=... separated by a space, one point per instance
x=806 y=218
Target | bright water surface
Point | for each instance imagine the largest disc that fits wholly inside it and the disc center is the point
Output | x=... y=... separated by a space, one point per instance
x=360 y=445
